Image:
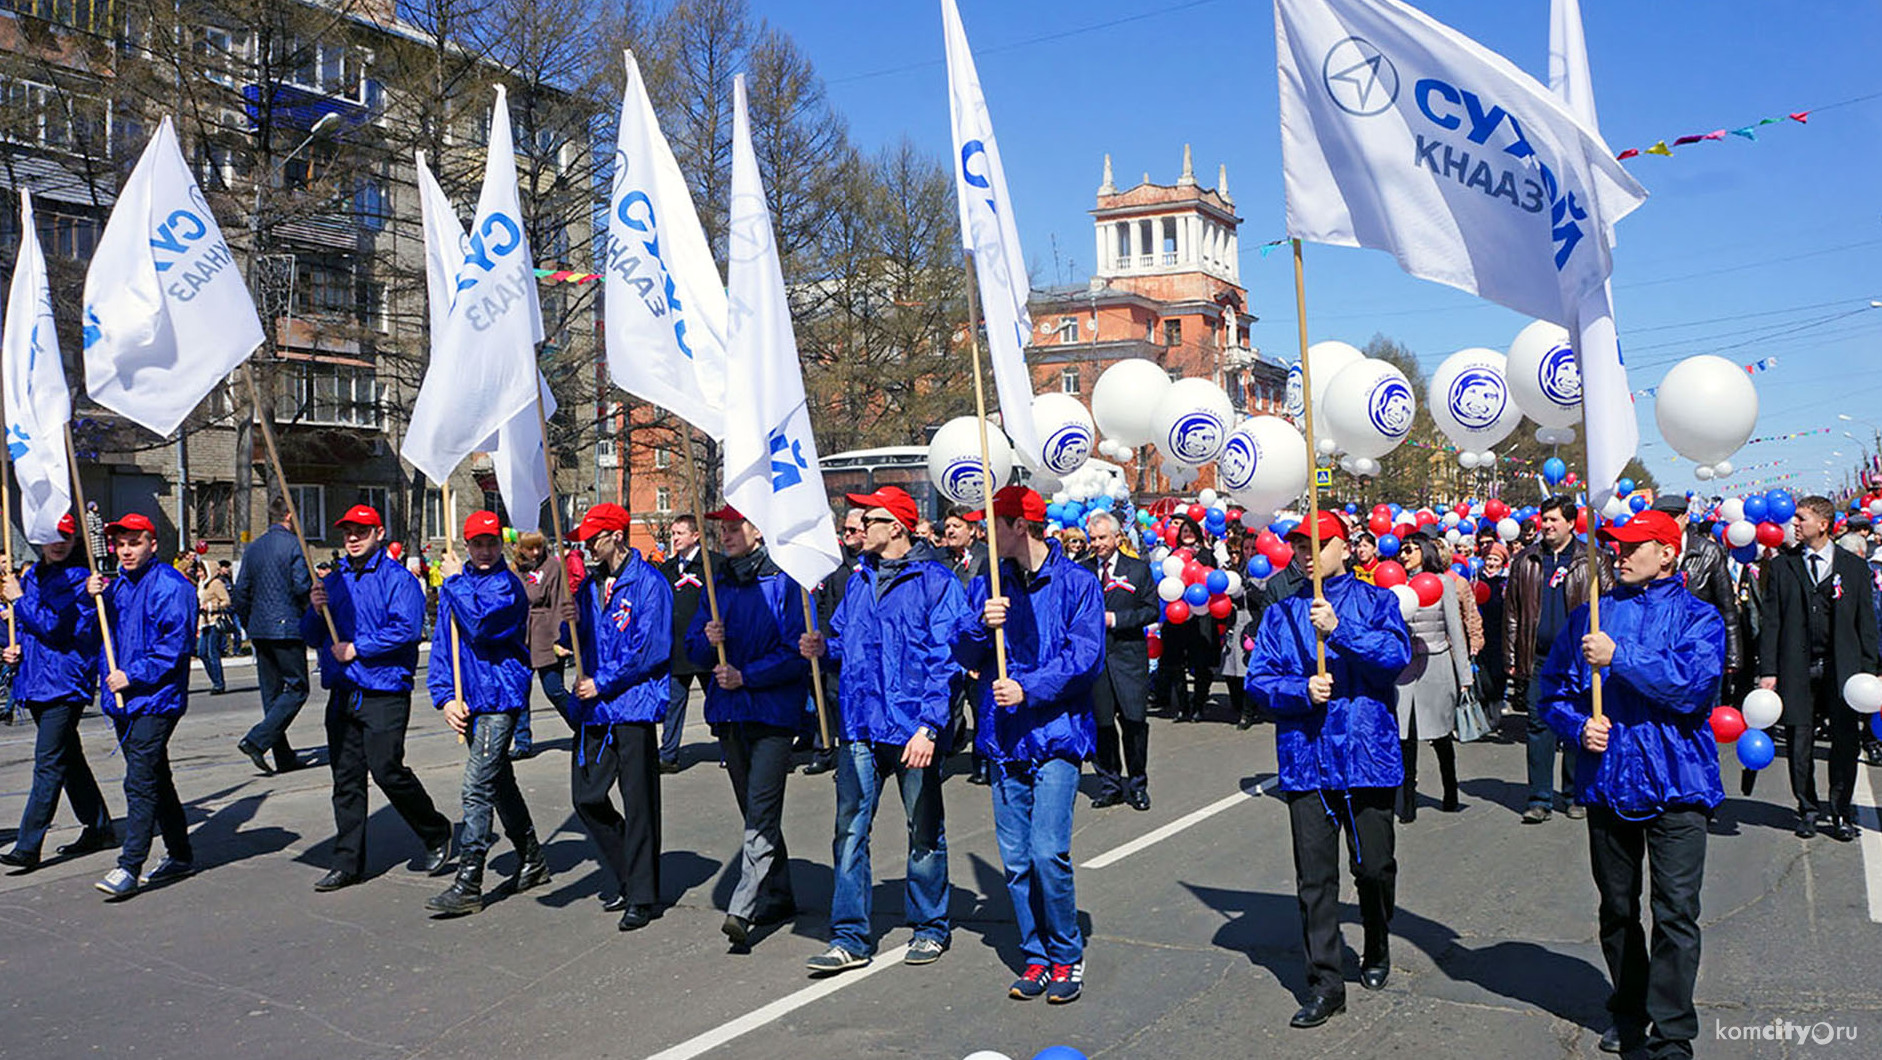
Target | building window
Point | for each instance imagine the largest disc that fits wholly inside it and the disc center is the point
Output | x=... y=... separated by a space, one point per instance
x=56 y=119
x=493 y=502
x=662 y=458
x=91 y=16
x=324 y=289
x=1145 y=236
x=1169 y=241
x=1068 y=329
x=310 y=505
x=69 y=237
x=604 y=452
x=1123 y=244
x=215 y=509
x=434 y=513
x=330 y=395
x=1173 y=333
x=1068 y=381
x=376 y=498
x=662 y=499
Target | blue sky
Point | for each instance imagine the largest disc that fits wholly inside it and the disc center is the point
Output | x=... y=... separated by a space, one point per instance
x=1748 y=250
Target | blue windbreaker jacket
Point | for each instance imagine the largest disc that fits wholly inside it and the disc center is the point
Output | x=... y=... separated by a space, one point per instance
x=1054 y=649
x=1669 y=655
x=763 y=612
x=381 y=606
x=58 y=625
x=153 y=628
x=891 y=641
x=492 y=617
x=627 y=642
x=1352 y=741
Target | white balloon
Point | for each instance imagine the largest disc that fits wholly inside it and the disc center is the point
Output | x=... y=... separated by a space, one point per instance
x=1706 y=408
x=1508 y=529
x=1863 y=693
x=1486 y=458
x=1722 y=468
x=1326 y=359
x=1065 y=432
x=1762 y=708
x=1469 y=398
x=1366 y=465
x=954 y=460
x=1235 y=583
x=1192 y=420
x=987 y=1054
x=1875 y=507
x=1451 y=519
x=1731 y=509
x=1173 y=568
x=1252 y=520
x=1741 y=532
x=1369 y=407
x=1612 y=508
x=1125 y=397
x=1171 y=587
x=1264 y=462
x=1206 y=498
x=1407 y=599
x=1453 y=536
x=1466 y=459
x=1543 y=375
x=1158 y=555
x=1326 y=446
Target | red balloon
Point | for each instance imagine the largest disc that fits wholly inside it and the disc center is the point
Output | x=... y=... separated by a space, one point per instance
x=1770 y=535
x=1570 y=480
x=1581 y=521
x=1154 y=644
x=1462 y=510
x=1220 y=606
x=1388 y=573
x=1482 y=591
x=1184 y=554
x=1280 y=555
x=1176 y=611
x=1382 y=511
x=1268 y=539
x=1727 y=724
x=1197 y=512
x=1428 y=586
x=1426 y=518
x=1495 y=509
x=395 y=550
x=1380 y=523
x=202 y=547
x=1194 y=572
x=1169 y=535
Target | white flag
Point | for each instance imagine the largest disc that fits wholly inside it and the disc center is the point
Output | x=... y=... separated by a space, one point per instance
x=991 y=235
x=483 y=359
x=1607 y=402
x=516 y=451
x=38 y=405
x=1400 y=134
x=167 y=314
x=771 y=471
x=664 y=303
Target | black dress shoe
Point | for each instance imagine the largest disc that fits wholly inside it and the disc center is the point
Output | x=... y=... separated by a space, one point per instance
x=88 y=842
x=254 y=755
x=436 y=858
x=1316 y=1011
x=774 y=915
x=635 y=917
x=736 y=928
x=823 y=762
x=1611 y=1040
x=19 y=859
x=335 y=880
x=1841 y=829
x=1806 y=826
x=1373 y=976
x=1107 y=797
x=1139 y=799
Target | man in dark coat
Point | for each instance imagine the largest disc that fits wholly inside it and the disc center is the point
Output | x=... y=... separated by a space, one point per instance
x=270 y=596
x=1703 y=566
x=1121 y=696
x=1819 y=630
x=685 y=571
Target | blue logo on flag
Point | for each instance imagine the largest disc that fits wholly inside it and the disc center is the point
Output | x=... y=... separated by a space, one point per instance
x=787 y=461
x=17 y=441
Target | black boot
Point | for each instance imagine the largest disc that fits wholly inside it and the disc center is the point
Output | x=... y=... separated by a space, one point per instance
x=466 y=893
x=1446 y=749
x=531 y=869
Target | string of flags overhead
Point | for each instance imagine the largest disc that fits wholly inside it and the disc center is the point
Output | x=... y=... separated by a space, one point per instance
x=1748 y=132
x=1751 y=369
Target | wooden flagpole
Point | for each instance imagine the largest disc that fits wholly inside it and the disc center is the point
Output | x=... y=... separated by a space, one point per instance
x=705 y=547
x=84 y=537
x=816 y=674
x=6 y=522
x=1313 y=463
x=555 y=523
x=280 y=476
x=448 y=505
x=1593 y=554
x=987 y=487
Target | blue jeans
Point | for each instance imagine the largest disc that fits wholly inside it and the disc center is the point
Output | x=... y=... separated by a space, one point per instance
x=490 y=784
x=209 y=650
x=59 y=763
x=150 y=801
x=860 y=770
x=1542 y=744
x=555 y=688
x=281 y=670
x=1032 y=820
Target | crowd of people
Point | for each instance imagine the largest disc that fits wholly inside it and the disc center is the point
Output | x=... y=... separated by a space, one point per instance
x=1059 y=654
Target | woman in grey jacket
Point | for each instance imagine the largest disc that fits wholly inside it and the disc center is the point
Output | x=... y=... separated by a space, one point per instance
x=1428 y=688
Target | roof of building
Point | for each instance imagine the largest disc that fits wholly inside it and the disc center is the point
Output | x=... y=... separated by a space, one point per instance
x=49 y=179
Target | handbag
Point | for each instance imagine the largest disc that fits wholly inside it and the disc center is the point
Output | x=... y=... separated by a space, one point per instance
x=1472 y=723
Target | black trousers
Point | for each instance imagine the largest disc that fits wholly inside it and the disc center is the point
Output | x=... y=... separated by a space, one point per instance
x=1652 y=1001
x=1186 y=648
x=1317 y=818
x=281 y=670
x=624 y=756
x=366 y=736
x=1115 y=718
x=1845 y=744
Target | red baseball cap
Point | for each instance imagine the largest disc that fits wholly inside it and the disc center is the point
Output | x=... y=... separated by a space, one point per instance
x=974 y=516
x=481 y=523
x=360 y=515
x=132 y=521
x=1018 y=502
x=1330 y=526
x=727 y=514
x=602 y=518
x=893 y=498
x=1650 y=525
x=68 y=525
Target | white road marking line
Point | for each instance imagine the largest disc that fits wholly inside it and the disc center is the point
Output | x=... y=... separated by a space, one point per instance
x=1148 y=839
x=1867 y=818
x=783 y=1006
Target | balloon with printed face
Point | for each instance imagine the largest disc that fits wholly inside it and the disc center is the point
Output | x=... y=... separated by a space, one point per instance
x=1469 y=399
x=1544 y=377
x=1370 y=408
x=1192 y=421
x=1065 y=432
x=954 y=460
x=1124 y=399
x=1263 y=464
x=1325 y=359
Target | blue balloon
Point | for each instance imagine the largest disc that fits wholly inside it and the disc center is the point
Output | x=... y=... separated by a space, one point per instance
x=1218 y=582
x=1476 y=566
x=1638 y=504
x=1468 y=527
x=1755 y=750
x=1351 y=508
x=1058 y=1052
x=1461 y=570
x=1143 y=517
x=1388 y=545
x=1260 y=567
x=1554 y=470
x=1756 y=510
x=1779 y=506
x=1197 y=595
x=1441 y=509
x=1875 y=725
x=1625 y=485
x=1055 y=512
x=1396 y=509
x=1622 y=519
x=1746 y=553
x=1278 y=528
x=1718 y=530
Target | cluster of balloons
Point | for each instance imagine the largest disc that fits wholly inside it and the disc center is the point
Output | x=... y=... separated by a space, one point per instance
x=1706 y=408
x=1363 y=407
x=1746 y=524
x=1050 y=1052
x=1189 y=588
x=1744 y=726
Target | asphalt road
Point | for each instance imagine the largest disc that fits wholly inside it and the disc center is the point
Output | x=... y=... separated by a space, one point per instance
x=1194 y=937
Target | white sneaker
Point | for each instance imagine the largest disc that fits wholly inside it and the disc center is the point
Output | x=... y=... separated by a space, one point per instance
x=833 y=960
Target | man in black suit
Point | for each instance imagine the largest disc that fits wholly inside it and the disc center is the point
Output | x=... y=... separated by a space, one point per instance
x=1121 y=697
x=685 y=572
x=1819 y=630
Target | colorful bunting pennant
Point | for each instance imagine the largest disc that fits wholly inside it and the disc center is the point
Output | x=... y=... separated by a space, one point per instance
x=1661 y=148
x=1753 y=368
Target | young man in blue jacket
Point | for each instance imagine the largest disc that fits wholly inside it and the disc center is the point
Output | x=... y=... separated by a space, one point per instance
x=152 y=612
x=756 y=703
x=379 y=611
x=1035 y=729
x=623 y=613
x=57 y=655
x=479 y=676
x=891 y=638
x=1336 y=741
x=1648 y=772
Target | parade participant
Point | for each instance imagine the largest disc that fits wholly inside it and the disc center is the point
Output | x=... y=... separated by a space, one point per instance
x=964 y=545
x=1035 y=729
x=1428 y=687
x=379 y=608
x=270 y=595
x=624 y=617
x=1648 y=771
x=546 y=585
x=968 y=561
x=1188 y=647
x=684 y=569
x=1365 y=555
x=1336 y=740
x=483 y=627
x=1120 y=698
x=1818 y=632
x=1491 y=673
x=57 y=656
x=826 y=597
x=1239 y=637
x=152 y=616
x=1703 y=566
x=1546 y=582
x=890 y=639
x=213 y=606
x=756 y=703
